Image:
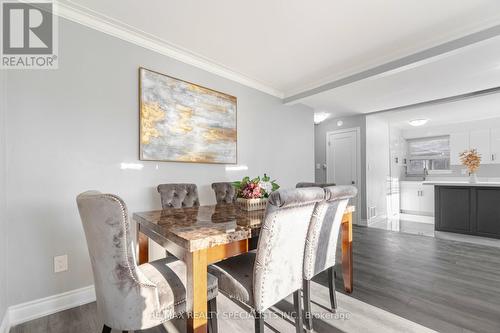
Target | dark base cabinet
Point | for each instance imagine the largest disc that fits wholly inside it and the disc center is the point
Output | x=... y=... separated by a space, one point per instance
x=471 y=210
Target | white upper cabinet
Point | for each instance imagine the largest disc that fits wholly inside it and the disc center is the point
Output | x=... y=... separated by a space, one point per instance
x=495 y=145
x=459 y=142
x=486 y=141
x=480 y=140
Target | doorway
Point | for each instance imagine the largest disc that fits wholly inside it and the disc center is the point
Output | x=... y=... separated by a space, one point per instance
x=343 y=162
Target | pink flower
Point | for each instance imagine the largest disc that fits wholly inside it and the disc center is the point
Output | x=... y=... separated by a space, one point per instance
x=252 y=191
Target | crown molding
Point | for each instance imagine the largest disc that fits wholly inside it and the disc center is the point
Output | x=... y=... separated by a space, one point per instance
x=87 y=17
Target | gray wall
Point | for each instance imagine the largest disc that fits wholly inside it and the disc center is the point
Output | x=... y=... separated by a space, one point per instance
x=329 y=125
x=70 y=129
x=3 y=219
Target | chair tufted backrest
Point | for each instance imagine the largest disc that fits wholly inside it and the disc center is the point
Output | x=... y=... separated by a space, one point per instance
x=306 y=184
x=279 y=260
x=324 y=229
x=124 y=294
x=178 y=195
x=224 y=192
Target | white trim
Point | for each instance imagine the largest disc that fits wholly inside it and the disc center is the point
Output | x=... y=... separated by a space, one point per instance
x=358 y=163
x=5 y=324
x=24 y=312
x=92 y=19
x=376 y=219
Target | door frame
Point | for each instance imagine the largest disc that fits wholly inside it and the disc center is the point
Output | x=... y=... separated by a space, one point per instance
x=357 y=130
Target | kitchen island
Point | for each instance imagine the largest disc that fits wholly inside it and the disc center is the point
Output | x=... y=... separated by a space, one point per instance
x=467 y=208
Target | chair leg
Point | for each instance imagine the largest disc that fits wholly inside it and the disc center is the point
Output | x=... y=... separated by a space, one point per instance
x=306 y=289
x=106 y=329
x=297 y=303
x=331 y=287
x=212 y=316
x=259 y=322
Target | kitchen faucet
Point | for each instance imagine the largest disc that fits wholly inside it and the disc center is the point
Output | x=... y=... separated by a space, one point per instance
x=426 y=173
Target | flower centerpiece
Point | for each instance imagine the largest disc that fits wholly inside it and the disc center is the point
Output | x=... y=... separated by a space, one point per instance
x=252 y=194
x=472 y=161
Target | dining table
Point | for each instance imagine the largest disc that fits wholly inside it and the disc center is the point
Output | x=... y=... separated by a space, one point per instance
x=204 y=235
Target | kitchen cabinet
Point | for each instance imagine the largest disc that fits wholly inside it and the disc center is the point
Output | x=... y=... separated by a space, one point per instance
x=459 y=142
x=481 y=140
x=468 y=209
x=486 y=141
x=416 y=198
x=495 y=145
x=426 y=199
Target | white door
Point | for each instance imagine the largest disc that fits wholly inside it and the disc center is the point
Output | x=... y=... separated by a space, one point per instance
x=342 y=161
x=480 y=140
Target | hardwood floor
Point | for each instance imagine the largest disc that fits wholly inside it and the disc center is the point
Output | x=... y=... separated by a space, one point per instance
x=402 y=283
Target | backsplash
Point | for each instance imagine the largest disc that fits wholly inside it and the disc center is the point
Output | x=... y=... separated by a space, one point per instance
x=487 y=172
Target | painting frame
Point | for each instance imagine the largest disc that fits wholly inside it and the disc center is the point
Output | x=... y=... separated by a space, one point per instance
x=140 y=99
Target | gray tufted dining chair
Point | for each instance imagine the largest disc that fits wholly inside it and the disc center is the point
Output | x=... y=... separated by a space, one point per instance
x=224 y=192
x=178 y=195
x=307 y=184
x=259 y=279
x=131 y=297
x=321 y=242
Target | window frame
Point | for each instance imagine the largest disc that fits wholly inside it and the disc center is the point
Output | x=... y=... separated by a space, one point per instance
x=427 y=159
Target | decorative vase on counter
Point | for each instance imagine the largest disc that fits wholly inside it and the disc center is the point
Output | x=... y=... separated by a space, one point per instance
x=473 y=178
x=472 y=161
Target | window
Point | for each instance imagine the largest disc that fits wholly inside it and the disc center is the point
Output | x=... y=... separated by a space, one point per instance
x=428 y=153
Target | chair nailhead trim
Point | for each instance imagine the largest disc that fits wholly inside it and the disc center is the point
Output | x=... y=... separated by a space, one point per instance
x=126 y=227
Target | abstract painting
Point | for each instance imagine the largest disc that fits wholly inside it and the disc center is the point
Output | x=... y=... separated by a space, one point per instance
x=184 y=122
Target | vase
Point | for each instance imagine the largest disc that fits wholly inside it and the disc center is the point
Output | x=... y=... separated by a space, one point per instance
x=251 y=204
x=473 y=177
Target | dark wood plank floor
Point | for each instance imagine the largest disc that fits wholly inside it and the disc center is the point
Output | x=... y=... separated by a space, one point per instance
x=401 y=281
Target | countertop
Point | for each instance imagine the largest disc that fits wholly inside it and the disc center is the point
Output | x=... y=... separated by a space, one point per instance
x=461 y=183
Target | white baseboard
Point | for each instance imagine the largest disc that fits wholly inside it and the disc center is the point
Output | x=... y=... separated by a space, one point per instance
x=363 y=222
x=5 y=324
x=376 y=219
x=24 y=312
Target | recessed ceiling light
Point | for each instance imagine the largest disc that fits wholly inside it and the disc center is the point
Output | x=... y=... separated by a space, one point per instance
x=418 y=122
x=320 y=117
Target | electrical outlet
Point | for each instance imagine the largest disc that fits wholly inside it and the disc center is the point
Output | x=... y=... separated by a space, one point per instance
x=61 y=263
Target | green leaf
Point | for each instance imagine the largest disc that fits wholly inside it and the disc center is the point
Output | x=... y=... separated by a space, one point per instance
x=275 y=186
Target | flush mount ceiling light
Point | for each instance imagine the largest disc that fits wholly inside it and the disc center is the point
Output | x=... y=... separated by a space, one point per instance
x=418 y=122
x=320 y=117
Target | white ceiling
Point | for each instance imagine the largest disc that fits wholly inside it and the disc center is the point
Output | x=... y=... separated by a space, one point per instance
x=290 y=46
x=443 y=115
x=469 y=69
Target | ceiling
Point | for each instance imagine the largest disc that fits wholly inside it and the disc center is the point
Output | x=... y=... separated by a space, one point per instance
x=289 y=46
x=442 y=115
x=469 y=69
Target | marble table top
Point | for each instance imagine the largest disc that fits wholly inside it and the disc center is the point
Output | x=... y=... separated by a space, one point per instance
x=197 y=228
x=202 y=227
